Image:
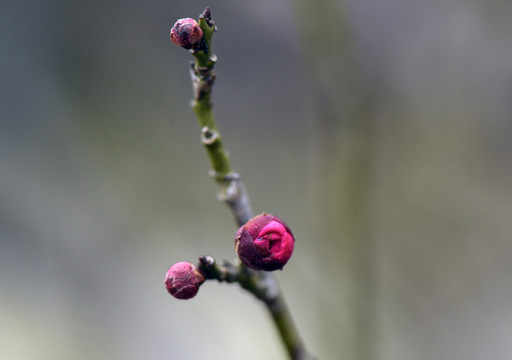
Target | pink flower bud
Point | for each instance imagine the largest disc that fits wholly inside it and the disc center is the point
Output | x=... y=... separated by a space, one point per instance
x=182 y=280
x=186 y=32
x=264 y=243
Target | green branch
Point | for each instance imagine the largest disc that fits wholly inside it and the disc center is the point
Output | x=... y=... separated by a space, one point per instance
x=203 y=78
x=231 y=189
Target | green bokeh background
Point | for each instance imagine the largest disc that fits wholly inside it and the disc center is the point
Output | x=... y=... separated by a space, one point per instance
x=379 y=130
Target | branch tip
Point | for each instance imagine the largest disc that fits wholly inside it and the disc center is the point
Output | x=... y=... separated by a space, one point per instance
x=207 y=15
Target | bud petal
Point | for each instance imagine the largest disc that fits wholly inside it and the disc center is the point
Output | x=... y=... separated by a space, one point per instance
x=186 y=32
x=182 y=280
x=264 y=243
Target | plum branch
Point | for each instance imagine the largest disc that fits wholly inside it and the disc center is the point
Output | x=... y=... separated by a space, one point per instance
x=197 y=38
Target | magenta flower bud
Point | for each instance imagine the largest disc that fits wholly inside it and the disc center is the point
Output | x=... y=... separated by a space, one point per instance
x=182 y=280
x=186 y=32
x=264 y=243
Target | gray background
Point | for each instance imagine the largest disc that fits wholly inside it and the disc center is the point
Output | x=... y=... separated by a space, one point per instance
x=379 y=130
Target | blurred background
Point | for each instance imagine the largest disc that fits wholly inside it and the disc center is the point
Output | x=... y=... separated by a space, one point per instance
x=379 y=130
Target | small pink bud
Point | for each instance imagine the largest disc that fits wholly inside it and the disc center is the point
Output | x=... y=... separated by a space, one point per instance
x=264 y=243
x=186 y=32
x=182 y=280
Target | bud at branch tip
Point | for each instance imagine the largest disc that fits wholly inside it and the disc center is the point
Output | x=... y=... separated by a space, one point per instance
x=186 y=32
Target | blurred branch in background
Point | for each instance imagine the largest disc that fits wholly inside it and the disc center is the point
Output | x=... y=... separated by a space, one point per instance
x=410 y=100
x=345 y=134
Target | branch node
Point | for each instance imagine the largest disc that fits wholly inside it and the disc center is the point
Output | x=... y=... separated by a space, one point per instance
x=208 y=136
x=206 y=260
x=223 y=178
x=231 y=193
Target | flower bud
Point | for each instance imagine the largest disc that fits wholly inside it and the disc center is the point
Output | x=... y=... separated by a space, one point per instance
x=264 y=243
x=182 y=280
x=186 y=32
